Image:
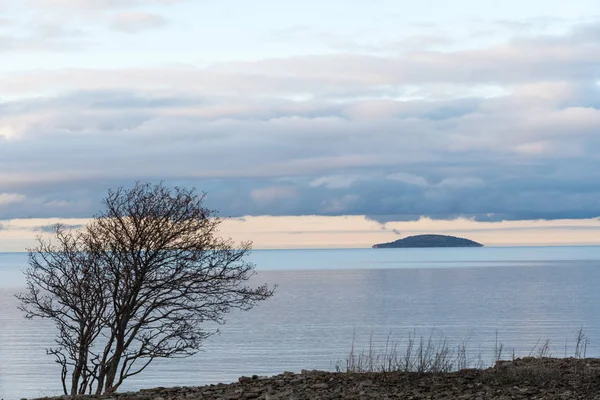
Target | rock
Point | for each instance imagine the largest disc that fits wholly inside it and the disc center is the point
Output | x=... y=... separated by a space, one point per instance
x=530 y=378
x=320 y=386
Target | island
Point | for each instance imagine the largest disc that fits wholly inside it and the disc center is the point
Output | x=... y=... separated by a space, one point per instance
x=421 y=241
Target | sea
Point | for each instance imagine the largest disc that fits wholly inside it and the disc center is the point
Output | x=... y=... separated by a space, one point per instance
x=329 y=302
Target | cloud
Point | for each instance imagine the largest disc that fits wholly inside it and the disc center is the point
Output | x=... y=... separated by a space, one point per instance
x=272 y=194
x=134 y=22
x=503 y=132
x=52 y=228
x=40 y=35
x=337 y=77
x=10 y=198
x=328 y=164
x=408 y=179
x=334 y=182
x=347 y=231
x=75 y=25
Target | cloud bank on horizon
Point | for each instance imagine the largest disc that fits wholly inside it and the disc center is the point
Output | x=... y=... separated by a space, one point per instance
x=374 y=108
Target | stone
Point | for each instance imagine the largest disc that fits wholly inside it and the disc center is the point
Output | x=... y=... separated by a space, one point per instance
x=320 y=386
x=532 y=379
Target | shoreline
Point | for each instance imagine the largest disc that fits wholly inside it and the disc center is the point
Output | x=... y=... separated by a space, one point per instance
x=526 y=378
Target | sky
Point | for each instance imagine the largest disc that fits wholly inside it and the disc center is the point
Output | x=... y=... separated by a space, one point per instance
x=311 y=124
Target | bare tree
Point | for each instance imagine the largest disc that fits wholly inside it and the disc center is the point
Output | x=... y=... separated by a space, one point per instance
x=158 y=270
x=64 y=284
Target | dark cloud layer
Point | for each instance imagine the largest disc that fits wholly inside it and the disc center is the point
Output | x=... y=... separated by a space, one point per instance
x=506 y=132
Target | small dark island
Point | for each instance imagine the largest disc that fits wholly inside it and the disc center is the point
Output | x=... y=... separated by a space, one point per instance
x=421 y=241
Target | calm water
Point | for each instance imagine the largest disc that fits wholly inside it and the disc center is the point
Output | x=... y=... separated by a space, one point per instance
x=325 y=296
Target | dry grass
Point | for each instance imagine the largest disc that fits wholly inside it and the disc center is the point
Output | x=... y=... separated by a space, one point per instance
x=435 y=354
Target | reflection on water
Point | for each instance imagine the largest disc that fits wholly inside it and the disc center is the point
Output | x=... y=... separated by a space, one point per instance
x=325 y=296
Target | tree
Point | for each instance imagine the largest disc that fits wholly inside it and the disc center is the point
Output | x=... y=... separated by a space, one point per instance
x=136 y=284
x=63 y=285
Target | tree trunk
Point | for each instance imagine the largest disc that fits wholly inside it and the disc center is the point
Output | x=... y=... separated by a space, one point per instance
x=114 y=366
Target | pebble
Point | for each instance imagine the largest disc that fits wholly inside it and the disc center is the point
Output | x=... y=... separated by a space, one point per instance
x=529 y=378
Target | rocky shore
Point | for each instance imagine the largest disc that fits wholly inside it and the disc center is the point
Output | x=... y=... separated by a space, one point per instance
x=527 y=378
